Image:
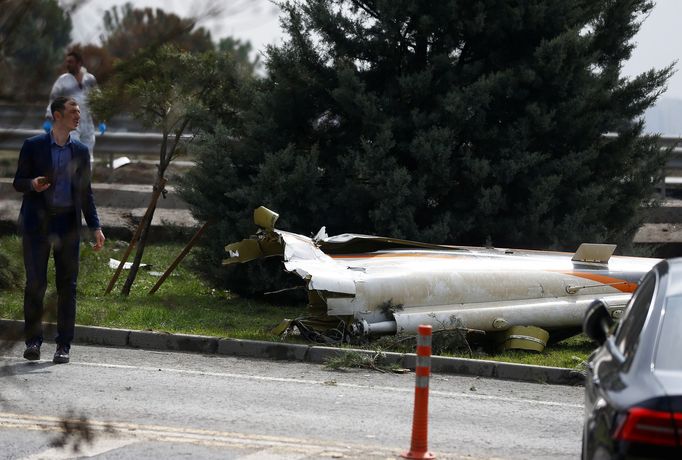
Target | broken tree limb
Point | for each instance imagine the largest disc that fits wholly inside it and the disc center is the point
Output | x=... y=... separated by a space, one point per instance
x=179 y=258
x=136 y=235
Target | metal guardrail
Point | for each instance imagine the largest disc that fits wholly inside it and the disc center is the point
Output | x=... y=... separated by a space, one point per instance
x=32 y=116
x=107 y=143
x=132 y=143
x=671 y=141
x=675 y=160
x=674 y=163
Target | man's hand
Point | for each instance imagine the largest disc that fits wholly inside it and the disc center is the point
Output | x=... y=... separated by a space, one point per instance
x=40 y=184
x=99 y=240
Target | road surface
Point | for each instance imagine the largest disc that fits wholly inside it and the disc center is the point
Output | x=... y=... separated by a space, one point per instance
x=146 y=404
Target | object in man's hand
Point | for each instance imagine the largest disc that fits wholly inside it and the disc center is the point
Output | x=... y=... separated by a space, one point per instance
x=43 y=180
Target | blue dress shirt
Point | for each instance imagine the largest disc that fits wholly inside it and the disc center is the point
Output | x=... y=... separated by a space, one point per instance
x=61 y=161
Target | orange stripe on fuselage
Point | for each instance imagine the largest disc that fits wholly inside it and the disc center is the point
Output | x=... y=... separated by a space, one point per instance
x=621 y=285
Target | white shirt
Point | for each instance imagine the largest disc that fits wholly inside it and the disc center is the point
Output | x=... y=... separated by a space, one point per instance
x=67 y=85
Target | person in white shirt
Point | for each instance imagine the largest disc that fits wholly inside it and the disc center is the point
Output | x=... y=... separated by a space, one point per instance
x=77 y=82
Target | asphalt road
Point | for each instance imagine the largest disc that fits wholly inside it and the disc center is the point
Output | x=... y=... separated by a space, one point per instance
x=144 y=404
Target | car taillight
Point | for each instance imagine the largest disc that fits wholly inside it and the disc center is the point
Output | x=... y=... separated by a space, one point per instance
x=649 y=426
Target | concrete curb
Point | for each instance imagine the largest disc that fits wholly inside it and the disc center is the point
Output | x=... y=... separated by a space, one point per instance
x=12 y=330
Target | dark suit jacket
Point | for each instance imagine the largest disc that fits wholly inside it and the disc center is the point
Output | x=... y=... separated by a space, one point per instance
x=35 y=160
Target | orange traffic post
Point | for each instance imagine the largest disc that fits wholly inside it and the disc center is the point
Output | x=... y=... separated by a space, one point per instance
x=420 y=420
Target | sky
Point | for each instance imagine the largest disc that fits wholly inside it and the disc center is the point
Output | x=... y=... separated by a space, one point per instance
x=253 y=20
x=657 y=43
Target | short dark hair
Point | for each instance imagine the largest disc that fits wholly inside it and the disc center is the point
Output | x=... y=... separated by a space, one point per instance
x=77 y=56
x=59 y=104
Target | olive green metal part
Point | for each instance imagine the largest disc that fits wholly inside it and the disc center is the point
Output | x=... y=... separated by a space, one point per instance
x=243 y=251
x=525 y=338
x=253 y=248
x=265 y=218
x=281 y=327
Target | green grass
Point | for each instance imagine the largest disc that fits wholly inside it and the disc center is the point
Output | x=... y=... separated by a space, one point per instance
x=570 y=353
x=187 y=304
x=184 y=303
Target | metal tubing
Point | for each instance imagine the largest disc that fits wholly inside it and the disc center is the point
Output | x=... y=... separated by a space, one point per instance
x=382 y=327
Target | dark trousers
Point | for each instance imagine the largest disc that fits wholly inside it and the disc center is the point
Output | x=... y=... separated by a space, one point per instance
x=64 y=239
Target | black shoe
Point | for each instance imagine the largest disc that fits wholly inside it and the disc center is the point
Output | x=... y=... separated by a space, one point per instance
x=32 y=352
x=61 y=356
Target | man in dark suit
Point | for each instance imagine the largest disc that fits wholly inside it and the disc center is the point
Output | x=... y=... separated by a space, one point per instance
x=53 y=173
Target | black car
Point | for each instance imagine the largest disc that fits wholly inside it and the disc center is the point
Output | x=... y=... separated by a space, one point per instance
x=633 y=387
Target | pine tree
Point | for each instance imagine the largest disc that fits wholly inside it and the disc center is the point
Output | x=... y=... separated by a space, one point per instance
x=460 y=121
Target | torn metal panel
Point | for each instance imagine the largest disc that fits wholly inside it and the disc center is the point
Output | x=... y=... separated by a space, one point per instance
x=389 y=286
x=321 y=272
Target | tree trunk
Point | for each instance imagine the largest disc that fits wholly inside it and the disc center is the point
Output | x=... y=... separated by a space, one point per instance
x=138 y=258
x=148 y=215
x=164 y=160
x=160 y=183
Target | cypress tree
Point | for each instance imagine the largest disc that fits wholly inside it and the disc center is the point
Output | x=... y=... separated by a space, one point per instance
x=458 y=121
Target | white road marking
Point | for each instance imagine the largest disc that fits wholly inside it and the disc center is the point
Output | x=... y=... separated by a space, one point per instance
x=271 y=454
x=112 y=435
x=446 y=394
x=98 y=446
x=129 y=433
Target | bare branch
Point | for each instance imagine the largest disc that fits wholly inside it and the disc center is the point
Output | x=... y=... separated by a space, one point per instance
x=367 y=9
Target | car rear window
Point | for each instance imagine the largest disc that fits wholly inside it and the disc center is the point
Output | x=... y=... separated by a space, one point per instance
x=668 y=353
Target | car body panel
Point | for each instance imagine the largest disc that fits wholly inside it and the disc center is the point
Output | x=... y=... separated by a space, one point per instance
x=612 y=387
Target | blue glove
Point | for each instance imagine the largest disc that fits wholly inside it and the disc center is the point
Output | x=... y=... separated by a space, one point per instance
x=47 y=126
x=102 y=127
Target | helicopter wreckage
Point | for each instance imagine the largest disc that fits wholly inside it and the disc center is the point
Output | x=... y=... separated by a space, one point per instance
x=371 y=286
